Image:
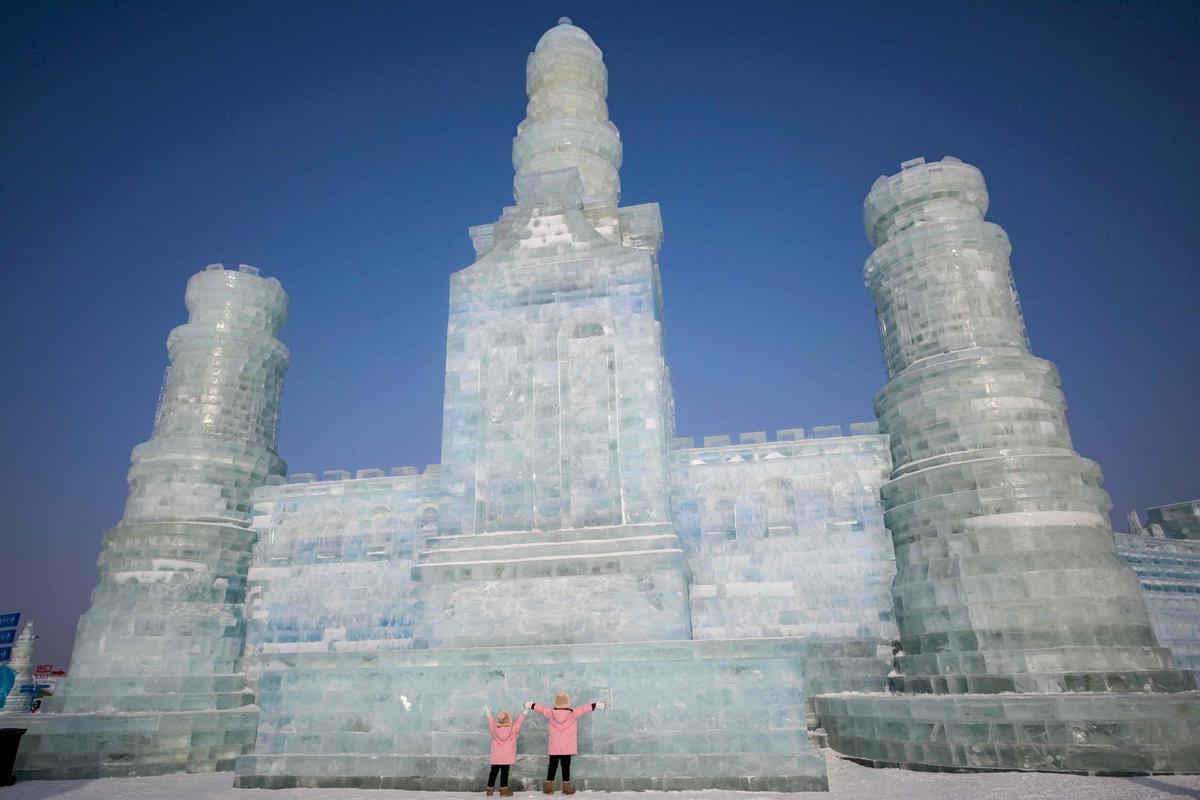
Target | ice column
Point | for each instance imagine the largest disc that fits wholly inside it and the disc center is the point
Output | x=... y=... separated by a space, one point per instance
x=22 y=664
x=172 y=573
x=1007 y=574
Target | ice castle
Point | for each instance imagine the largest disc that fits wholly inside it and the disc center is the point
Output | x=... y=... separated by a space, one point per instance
x=941 y=589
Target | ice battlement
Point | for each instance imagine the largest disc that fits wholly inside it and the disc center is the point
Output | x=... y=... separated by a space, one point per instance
x=303 y=481
x=923 y=194
x=752 y=438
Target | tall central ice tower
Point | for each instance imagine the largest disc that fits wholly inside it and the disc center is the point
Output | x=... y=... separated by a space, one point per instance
x=558 y=410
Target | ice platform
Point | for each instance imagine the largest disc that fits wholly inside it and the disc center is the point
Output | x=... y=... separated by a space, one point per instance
x=684 y=715
x=71 y=746
x=1092 y=732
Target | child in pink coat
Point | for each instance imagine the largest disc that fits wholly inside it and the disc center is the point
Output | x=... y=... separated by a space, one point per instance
x=504 y=748
x=563 y=737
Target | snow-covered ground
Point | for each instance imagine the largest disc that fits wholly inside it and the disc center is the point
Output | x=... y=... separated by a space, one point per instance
x=847 y=781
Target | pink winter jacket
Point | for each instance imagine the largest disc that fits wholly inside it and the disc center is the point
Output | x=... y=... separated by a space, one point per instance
x=504 y=740
x=563 y=739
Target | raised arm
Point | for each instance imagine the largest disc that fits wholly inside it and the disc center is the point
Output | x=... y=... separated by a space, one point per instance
x=518 y=723
x=545 y=712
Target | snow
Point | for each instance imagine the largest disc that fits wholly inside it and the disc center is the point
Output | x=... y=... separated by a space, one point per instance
x=847 y=780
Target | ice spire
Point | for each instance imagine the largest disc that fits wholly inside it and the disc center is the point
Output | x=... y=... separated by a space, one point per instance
x=566 y=122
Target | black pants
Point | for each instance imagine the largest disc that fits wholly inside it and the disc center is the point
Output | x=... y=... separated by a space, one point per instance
x=503 y=770
x=554 y=762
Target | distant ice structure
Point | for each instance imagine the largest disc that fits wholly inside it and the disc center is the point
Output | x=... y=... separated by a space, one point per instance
x=156 y=682
x=1007 y=579
x=21 y=663
x=1169 y=570
x=1178 y=520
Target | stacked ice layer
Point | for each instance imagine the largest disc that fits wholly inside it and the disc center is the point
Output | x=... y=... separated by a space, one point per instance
x=172 y=574
x=1006 y=574
x=566 y=123
x=165 y=629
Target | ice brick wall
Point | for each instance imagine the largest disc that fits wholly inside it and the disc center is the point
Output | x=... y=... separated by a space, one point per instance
x=332 y=563
x=1006 y=573
x=684 y=715
x=1169 y=570
x=786 y=537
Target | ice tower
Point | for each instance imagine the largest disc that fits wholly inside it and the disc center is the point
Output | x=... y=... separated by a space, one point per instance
x=1007 y=576
x=558 y=407
x=155 y=679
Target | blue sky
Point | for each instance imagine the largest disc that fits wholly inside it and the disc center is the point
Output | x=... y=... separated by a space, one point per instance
x=346 y=147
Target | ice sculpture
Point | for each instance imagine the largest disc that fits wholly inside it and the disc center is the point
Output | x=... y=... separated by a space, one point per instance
x=155 y=682
x=21 y=663
x=553 y=546
x=569 y=541
x=1007 y=578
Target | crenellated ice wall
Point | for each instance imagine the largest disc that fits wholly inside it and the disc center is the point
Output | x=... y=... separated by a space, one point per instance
x=786 y=537
x=332 y=569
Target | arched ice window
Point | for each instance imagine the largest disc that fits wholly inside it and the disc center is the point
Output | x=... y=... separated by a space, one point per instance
x=779 y=505
x=716 y=511
x=279 y=541
x=377 y=537
x=329 y=529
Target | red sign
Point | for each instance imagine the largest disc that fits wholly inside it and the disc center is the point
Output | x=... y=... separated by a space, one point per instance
x=44 y=669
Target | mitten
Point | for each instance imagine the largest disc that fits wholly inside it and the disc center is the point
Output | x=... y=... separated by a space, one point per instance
x=600 y=704
x=528 y=704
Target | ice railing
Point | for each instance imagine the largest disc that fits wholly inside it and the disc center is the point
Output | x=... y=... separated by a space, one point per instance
x=366 y=473
x=781 y=435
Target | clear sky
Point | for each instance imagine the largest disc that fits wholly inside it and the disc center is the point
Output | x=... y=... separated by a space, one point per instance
x=346 y=147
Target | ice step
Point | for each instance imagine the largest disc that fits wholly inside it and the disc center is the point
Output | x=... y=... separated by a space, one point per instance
x=577 y=547
x=501 y=538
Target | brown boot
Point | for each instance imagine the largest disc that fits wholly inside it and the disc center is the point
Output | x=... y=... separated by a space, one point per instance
x=489 y=791
x=505 y=791
x=568 y=788
x=548 y=787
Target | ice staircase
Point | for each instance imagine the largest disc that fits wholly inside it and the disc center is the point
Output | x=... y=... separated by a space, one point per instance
x=536 y=553
x=597 y=584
